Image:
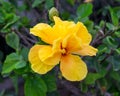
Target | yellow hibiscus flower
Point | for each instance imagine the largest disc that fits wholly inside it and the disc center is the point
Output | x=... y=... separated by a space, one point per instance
x=66 y=41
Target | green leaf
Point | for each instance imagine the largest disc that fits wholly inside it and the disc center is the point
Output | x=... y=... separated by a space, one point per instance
x=35 y=86
x=110 y=26
x=110 y=42
x=12 y=40
x=71 y=2
x=50 y=82
x=49 y=4
x=36 y=3
x=102 y=49
x=20 y=64
x=114 y=17
x=84 y=10
x=13 y=19
x=84 y=87
x=115 y=60
x=115 y=75
x=24 y=52
x=92 y=77
x=13 y=61
x=117 y=34
x=117 y=50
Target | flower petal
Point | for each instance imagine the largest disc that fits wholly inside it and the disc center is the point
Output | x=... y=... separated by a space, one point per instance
x=63 y=28
x=71 y=43
x=37 y=65
x=73 y=68
x=44 y=31
x=51 y=54
x=87 y=50
x=83 y=34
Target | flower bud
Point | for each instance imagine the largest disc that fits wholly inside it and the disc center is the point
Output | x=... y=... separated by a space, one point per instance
x=53 y=12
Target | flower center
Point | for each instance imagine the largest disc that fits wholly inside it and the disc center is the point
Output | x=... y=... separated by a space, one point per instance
x=63 y=51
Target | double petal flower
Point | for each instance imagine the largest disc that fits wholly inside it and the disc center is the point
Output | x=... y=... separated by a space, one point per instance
x=66 y=41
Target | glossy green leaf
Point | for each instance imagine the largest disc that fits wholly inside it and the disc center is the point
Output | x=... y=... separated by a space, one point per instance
x=84 y=87
x=84 y=10
x=12 y=40
x=115 y=75
x=115 y=61
x=114 y=17
x=110 y=42
x=50 y=82
x=110 y=26
x=117 y=50
x=71 y=2
x=13 y=61
x=11 y=20
x=35 y=86
x=92 y=77
x=117 y=34
x=24 y=52
x=102 y=49
x=36 y=3
x=49 y=4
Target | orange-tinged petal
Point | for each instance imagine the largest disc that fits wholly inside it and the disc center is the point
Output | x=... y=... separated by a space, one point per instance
x=51 y=54
x=82 y=33
x=71 y=43
x=73 y=68
x=44 y=31
x=36 y=64
x=87 y=50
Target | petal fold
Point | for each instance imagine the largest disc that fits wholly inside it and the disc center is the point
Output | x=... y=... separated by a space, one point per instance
x=51 y=54
x=73 y=68
x=36 y=64
x=87 y=50
x=44 y=31
x=83 y=34
x=72 y=43
x=63 y=28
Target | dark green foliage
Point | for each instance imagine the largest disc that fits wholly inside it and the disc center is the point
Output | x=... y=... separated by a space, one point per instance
x=35 y=86
x=102 y=19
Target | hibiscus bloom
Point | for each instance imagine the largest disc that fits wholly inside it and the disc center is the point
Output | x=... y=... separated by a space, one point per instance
x=66 y=41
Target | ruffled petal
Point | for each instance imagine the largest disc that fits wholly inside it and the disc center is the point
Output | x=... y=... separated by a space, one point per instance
x=63 y=28
x=44 y=31
x=72 y=43
x=82 y=33
x=73 y=68
x=51 y=54
x=36 y=64
x=87 y=50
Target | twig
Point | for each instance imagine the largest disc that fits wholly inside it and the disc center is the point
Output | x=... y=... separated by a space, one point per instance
x=107 y=55
x=57 y=3
x=69 y=86
x=22 y=37
x=97 y=41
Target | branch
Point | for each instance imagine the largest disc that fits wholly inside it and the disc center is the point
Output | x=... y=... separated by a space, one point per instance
x=71 y=88
x=98 y=40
